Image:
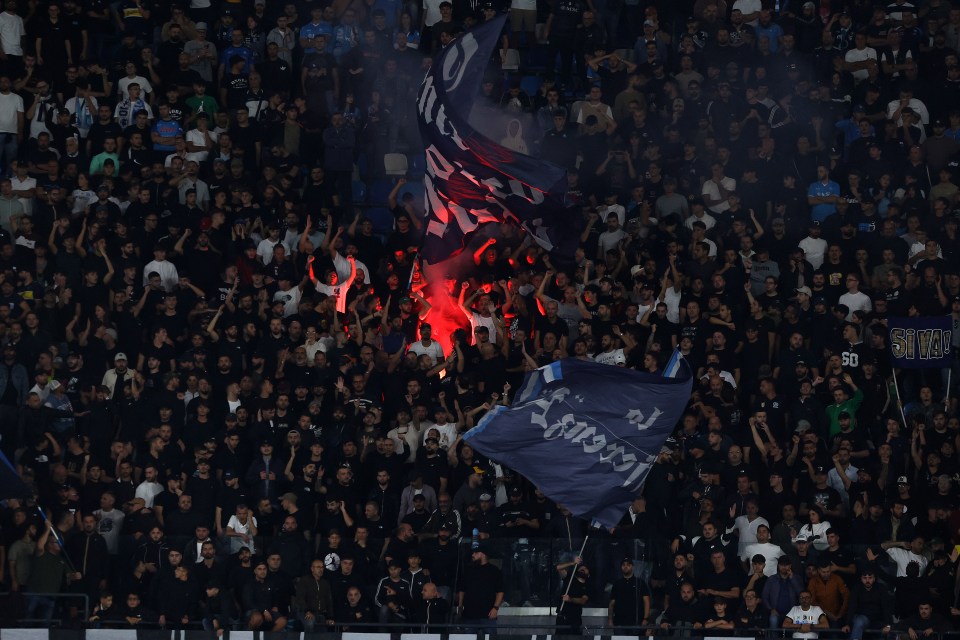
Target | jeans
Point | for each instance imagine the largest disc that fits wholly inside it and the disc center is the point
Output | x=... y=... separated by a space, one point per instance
x=479 y=626
x=857 y=626
x=39 y=608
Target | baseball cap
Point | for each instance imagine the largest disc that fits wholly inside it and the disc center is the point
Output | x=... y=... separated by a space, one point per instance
x=120 y=356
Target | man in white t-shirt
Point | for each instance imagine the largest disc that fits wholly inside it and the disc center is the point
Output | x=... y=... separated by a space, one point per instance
x=858 y=60
x=750 y=10
x=11 y=33
x=854 y=299
x=482 y=319
x=903 y=554
x=770 y=552
x=813 y=246
x=332 y=286
x=427 y=345
x=805 y=617
x=11 y=122
x=289 y=296
x=132 y=78
x=24 y=187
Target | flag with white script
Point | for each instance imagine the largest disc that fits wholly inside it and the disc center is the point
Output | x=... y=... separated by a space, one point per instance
x=472 y=179
x=586 y=434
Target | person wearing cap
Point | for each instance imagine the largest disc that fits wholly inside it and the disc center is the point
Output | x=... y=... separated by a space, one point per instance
x=481 y=591
x=630 y=599
x=574 y=598
x=115 y=378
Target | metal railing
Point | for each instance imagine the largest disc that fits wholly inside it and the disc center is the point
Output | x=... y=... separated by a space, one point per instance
x=29 y=600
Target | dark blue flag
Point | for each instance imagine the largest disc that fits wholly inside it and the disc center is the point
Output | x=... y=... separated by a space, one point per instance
x=471 y=179
x=11 y=484
x=585 y=433
x=921 y=343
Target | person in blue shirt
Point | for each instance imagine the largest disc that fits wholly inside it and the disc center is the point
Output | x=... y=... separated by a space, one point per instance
x=318 y=24
x=822 y=195
x=236 y=48
x=165 y=132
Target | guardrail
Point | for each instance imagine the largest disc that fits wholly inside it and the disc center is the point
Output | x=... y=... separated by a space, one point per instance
x=57 y=600
x=443 y=632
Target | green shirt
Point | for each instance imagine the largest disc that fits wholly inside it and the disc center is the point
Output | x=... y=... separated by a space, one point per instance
x=850 y=406
x=48 y=575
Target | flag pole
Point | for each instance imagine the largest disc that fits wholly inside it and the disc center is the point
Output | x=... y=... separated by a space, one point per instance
x=946 y=398
x=573 y=573
x=896 y=389
x=53 y=530
x=56 y=536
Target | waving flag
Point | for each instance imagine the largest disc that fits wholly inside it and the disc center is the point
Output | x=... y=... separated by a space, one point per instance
x=11 y=484
x=585 y=433
x=472 y=180
x=921 y=343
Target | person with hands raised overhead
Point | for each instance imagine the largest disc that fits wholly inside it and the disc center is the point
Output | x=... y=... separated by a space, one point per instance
x=332 y=287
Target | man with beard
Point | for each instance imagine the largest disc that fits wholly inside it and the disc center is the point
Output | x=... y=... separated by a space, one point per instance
x=482 y=591
x=570 y=611
x=629 y=599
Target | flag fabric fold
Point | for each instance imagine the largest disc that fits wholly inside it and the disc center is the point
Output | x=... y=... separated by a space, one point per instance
x=11 y=484
x=586 y=434
x=472 y=180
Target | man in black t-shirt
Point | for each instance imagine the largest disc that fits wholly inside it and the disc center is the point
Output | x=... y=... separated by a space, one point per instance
x=481 y=593
x=570 y=609
x=629 y=599
x=721 y=580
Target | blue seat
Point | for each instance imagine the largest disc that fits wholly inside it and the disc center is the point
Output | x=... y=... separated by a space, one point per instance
x=416 y=165
x=359 y=192
x=530 y=85
x=413 y=188
x=378 y=192
x=382 y=219
x=363 y=166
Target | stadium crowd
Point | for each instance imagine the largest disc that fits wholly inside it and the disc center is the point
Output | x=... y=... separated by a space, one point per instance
x=241 y=405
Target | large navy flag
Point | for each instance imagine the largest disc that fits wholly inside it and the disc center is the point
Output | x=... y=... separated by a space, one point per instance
x=921 y=343
x=11 y=484
x=470 y=179
x=585 y=433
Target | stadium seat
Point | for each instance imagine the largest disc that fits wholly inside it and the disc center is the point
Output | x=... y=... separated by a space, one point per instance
x=511 y=60
x=395 y=164
x=413 y=188
x=359 y=192
x=378 y=192
x=382 y=219
x=417 y=165
x=362 y=168
x=530 y=85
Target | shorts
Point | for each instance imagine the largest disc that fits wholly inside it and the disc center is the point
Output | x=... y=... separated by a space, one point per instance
x=523 y=20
